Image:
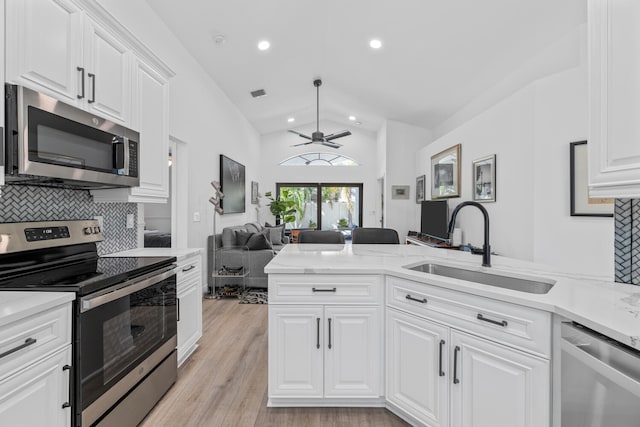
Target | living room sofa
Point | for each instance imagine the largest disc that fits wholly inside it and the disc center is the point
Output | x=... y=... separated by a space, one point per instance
x=234 y=254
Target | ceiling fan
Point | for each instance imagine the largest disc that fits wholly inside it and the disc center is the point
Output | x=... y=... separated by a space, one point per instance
x=318 y=137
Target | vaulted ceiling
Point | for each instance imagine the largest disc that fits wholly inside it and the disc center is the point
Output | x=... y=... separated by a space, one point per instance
x=437 y=55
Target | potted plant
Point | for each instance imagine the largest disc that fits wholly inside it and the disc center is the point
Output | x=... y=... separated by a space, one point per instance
x=343 y=223
x=283 y=208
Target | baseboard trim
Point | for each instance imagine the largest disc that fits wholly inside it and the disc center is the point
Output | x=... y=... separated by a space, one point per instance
x=326 y=403
x=404 y=415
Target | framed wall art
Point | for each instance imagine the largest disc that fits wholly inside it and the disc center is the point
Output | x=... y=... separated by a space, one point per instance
x=420 y=188
x=581 y=203
x=484 y=179
x=445 y=173
x=399 y=191
x=254 y=193
x=232 y=184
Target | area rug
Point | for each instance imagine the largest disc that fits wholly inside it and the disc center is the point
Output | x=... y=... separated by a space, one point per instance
x=246 y=296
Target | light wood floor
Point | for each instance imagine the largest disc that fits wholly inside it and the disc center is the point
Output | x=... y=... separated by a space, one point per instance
x=224 y=383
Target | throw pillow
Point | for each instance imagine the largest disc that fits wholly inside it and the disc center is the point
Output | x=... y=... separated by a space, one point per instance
x=281 y=239
x=259 y=241
x=242 y=237
x=277 y=234
x=253 y=226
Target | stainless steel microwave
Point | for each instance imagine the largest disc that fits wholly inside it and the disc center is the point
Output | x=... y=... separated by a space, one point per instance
x=50 y=143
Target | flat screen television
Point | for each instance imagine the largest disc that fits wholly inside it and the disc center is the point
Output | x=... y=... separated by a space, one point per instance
x=232 y=185
x=434 y=219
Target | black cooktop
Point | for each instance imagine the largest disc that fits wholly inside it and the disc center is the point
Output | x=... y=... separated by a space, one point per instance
x=63 y=256
x=82 y=273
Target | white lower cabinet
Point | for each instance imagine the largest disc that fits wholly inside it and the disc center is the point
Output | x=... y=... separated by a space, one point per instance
x=454 y=359
x=417 y=367
x=35 y=361
x=189 y=293
x=496 y=386
x=38 y=395
x=441 y=376
x=325 y=352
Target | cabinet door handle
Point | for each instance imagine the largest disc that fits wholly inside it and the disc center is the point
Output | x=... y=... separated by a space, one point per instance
x=191 y=267
x=67 y=404
x=455 y=365
x=422 y=301
x=27 y=343
x=93 y=87
x=178 y=309
x=329 y=333
x=442 y=343
x=502 y=323
x=317 y=332
x=323 y=290
x=81 y=70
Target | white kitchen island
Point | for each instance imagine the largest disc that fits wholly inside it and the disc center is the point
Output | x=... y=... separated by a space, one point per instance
x=349 y=325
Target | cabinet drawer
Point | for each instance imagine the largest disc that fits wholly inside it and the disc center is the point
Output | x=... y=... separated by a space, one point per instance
x=512 y=324
x=50 y=329
x=188 y=268
x=325 y=289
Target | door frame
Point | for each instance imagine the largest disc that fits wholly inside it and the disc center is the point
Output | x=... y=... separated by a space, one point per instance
x=318 y=186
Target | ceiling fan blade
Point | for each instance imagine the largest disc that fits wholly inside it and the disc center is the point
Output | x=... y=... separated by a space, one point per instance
x=299 y=134
x=331 y=144
x=302 y=143
x=337 y=135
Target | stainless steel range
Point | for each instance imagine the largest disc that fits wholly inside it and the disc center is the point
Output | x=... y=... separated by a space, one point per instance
x=124 y=331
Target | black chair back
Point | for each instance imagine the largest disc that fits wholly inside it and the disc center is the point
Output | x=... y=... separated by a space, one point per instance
x=374 y=235
x=320 y=236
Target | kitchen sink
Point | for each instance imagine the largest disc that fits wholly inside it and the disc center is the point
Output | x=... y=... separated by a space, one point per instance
x=532 y=285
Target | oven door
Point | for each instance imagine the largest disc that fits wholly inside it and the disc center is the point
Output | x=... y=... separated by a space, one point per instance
x=123 y=333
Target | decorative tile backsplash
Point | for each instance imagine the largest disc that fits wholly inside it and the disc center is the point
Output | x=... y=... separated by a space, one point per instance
x=29 y=203
x=627 y=241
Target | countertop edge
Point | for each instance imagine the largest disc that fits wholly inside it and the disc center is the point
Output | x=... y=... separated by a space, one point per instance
x=17 y=305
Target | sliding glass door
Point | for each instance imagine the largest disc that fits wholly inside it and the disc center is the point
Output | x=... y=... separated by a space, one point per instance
x=324 y=206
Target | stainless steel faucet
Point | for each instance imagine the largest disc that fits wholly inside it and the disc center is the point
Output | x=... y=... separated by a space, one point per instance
x=486 y=249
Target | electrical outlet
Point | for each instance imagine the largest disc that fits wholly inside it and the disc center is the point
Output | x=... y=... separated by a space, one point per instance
x=129 y=220
x=196 y=217
x=100 y=220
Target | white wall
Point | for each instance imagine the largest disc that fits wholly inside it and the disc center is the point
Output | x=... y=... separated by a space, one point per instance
x=360 y=146
x=401 y=143
x=200 y=114
x=530 y=132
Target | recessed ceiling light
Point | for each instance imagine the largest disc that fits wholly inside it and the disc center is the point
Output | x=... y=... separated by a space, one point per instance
x=358 y=123
x=352 y=118
x=291 y=119
x=264 y=45
x=375 y=44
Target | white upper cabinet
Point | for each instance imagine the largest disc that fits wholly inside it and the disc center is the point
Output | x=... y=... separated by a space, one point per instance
x=54 y=47
x=150 y=118
x=44 y=46
x=614 y=98
x=108 y=79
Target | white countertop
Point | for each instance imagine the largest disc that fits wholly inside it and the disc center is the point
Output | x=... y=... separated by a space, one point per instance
x=18 y=305
x=608 y=307
x=180 y=254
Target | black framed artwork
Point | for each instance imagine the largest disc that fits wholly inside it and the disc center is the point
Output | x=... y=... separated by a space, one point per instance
x=232 y=183
x=581 y=203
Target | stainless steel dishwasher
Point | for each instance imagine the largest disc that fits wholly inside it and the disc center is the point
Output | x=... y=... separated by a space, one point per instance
x=600 y=380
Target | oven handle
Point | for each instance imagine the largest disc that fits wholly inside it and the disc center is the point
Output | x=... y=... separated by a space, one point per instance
x=126 y=288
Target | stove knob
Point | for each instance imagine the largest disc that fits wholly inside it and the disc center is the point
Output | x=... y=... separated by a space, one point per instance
x=88 y=230
x=96 y=229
